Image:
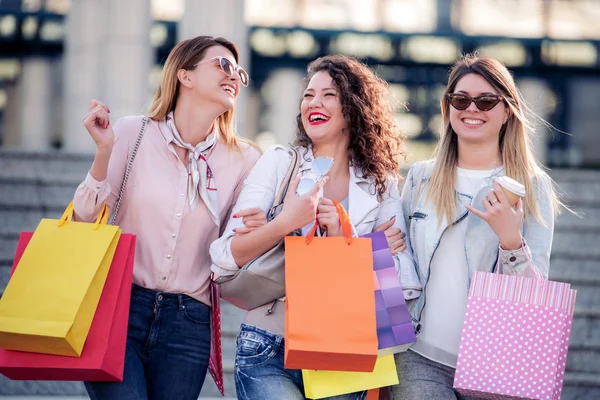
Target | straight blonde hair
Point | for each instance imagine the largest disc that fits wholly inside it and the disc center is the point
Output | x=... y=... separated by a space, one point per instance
x=520 y=163
x=185 y=55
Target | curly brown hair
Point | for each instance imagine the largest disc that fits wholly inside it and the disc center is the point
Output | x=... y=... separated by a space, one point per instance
x=376 y=144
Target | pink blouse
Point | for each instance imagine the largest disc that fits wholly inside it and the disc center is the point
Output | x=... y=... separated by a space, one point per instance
x=172 y=241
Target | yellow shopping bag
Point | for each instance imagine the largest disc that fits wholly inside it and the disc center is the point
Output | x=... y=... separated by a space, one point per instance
x=51 y=299
x=320 y=384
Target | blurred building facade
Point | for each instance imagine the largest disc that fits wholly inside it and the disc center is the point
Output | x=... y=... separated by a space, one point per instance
x=56 y=55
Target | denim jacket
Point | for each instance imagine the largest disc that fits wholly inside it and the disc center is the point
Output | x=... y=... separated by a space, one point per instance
x=482 y=245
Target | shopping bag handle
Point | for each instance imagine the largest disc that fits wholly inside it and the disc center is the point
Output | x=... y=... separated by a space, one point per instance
x=102 y=218
x=536 y=272
x=344 y=222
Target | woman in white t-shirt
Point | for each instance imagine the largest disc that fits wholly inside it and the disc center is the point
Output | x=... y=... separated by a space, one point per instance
x=460 y=221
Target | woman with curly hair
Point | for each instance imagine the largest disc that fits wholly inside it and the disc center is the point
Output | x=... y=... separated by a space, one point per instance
x=345 y=114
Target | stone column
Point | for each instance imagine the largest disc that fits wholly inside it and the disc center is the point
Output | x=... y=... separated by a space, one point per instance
x=107 y=57
x=35 y=104
x=284 y=91
x=536 y=95
x=221 y=18
x=11 y=117
x=127 y=58
x=82 y=65
x=583 y=122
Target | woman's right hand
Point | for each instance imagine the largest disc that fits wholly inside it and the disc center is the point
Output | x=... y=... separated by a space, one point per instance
x=97 y=123
x=299 y=211
x=393 y=235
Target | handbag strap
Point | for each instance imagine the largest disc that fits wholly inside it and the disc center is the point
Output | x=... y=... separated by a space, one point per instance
x=128 y=170
x=289 y=176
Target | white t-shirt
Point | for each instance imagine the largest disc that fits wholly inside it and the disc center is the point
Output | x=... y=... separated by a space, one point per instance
x=448 y=286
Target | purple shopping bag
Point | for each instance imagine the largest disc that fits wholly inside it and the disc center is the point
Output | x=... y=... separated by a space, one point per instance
x=395 y=331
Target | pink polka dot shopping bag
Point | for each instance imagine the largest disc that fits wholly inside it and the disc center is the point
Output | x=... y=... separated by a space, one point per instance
x=515 y=338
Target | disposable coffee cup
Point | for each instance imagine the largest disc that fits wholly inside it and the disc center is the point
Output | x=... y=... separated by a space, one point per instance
x=512 y=189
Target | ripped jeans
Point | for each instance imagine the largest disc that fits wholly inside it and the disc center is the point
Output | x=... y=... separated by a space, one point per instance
x=259 y=371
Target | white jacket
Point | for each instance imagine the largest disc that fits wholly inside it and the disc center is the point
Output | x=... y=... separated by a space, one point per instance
x=365 y=211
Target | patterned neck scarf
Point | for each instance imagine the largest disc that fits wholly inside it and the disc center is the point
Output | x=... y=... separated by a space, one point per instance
x=201 y=183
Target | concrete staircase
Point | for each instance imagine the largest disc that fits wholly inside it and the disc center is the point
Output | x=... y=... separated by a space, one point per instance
x=576 y=259
x=33 y=186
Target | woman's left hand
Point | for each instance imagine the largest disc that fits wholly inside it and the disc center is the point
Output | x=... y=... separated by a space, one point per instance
x=504 y=220
x=328 y=217
x=253 y=218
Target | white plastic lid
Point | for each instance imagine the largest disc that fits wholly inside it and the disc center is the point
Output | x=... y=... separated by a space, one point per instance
x=512 y=185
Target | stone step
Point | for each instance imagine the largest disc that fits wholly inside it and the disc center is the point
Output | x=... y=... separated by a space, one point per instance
x=16 y=221
x=584 y=359
x=577 y=193
x=43 y=167
x=588 y=297
x=576 y=244
x=561 y=176
x=581 y=386
x=66 y=389
x=33 y=196
x=585 y=217
x=567 y=269
x=8 y=246
x=586 y=328
x=577 y=386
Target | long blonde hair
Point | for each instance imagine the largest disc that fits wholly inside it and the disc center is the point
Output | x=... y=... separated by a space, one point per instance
x=520 y=163
x=184 y=56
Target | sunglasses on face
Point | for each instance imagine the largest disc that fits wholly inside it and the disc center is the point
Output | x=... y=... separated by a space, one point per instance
x=229 y=68
x=484 y=102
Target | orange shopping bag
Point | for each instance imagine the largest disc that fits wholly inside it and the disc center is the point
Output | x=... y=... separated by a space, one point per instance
x=330 y=302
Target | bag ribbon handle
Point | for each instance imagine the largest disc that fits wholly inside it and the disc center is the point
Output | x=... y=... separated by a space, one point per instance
x=344 y=222
x=101 y=219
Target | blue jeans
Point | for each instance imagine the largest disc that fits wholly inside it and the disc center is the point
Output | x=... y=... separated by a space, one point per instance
x=168 y=347
x=259 y=371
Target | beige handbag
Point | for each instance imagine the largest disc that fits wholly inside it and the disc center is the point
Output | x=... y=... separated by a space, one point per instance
x=262 y=280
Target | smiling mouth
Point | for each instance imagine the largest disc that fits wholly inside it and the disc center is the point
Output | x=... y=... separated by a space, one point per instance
x=317 y=119
x=229 y=90
x=473 y=122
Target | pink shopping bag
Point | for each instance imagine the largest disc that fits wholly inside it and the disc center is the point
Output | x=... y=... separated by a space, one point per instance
x=515 y=338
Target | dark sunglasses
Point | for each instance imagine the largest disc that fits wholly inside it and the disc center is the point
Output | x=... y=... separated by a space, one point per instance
x=484 y=102
x=229 y=68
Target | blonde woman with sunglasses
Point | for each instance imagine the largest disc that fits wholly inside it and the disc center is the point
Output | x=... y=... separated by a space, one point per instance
x=461 y=221
x=344 y=116
x=185 y=177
